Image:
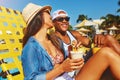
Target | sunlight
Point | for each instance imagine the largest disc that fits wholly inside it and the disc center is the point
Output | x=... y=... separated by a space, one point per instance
x=1 y=1
x=4 y=2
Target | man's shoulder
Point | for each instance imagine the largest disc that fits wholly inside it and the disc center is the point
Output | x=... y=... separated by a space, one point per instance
x=74 y=32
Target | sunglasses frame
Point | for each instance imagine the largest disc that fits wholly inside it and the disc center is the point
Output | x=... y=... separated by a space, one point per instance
x=61 y=19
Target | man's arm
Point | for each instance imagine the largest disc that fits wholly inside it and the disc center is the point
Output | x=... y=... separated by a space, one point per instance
x=85 y=41
x=107 y=41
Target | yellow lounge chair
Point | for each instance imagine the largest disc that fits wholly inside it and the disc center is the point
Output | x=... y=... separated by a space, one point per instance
x=11 y=33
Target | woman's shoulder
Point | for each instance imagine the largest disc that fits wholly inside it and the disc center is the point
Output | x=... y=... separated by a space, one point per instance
x=31 y=47
x=32 y=44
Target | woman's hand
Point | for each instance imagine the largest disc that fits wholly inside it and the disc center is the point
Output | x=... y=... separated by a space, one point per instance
x=69 y=65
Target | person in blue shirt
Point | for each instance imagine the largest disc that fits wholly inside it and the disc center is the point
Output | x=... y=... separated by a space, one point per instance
x=41 y=54
x=44 y=59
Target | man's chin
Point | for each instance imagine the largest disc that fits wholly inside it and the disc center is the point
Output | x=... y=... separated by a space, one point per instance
x=64 y=29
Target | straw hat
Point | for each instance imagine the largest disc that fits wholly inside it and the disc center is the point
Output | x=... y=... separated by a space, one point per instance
x=31 y=10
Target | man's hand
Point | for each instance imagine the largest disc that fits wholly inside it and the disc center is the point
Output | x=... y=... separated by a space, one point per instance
x=100 y=40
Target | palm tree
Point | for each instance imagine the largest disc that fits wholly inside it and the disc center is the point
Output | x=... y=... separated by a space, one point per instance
x=83 y=17
x=110 y=20
x=119 y=5
x=119 y=2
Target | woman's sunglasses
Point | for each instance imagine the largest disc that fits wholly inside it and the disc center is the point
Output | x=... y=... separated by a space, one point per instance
x=60 y=19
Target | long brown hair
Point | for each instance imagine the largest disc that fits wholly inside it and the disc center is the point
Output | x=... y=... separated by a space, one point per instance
x=34 y=26
x=56 y=41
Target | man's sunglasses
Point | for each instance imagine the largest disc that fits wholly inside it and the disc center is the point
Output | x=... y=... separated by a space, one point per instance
x=60 y=19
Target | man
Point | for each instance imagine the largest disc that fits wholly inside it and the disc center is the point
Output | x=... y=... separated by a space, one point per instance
x=61 y=23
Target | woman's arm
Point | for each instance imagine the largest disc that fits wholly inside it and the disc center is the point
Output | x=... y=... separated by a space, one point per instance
x=30 y=64
x=68 y=65
x=34 y=71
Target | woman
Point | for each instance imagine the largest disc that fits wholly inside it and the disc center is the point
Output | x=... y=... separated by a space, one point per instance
x=43 y=59
x=40 y=58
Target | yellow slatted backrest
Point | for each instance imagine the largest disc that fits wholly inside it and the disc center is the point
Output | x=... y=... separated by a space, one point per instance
x=11 y=34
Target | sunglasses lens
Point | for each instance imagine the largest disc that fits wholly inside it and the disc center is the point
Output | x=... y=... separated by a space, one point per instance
x=63 y=18
x=60 y=19
x=67 y=18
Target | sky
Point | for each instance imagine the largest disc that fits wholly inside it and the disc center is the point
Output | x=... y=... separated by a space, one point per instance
x=92 y=8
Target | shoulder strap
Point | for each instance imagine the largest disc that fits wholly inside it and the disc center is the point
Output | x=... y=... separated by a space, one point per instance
x=61 y=45
x=72 y=34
